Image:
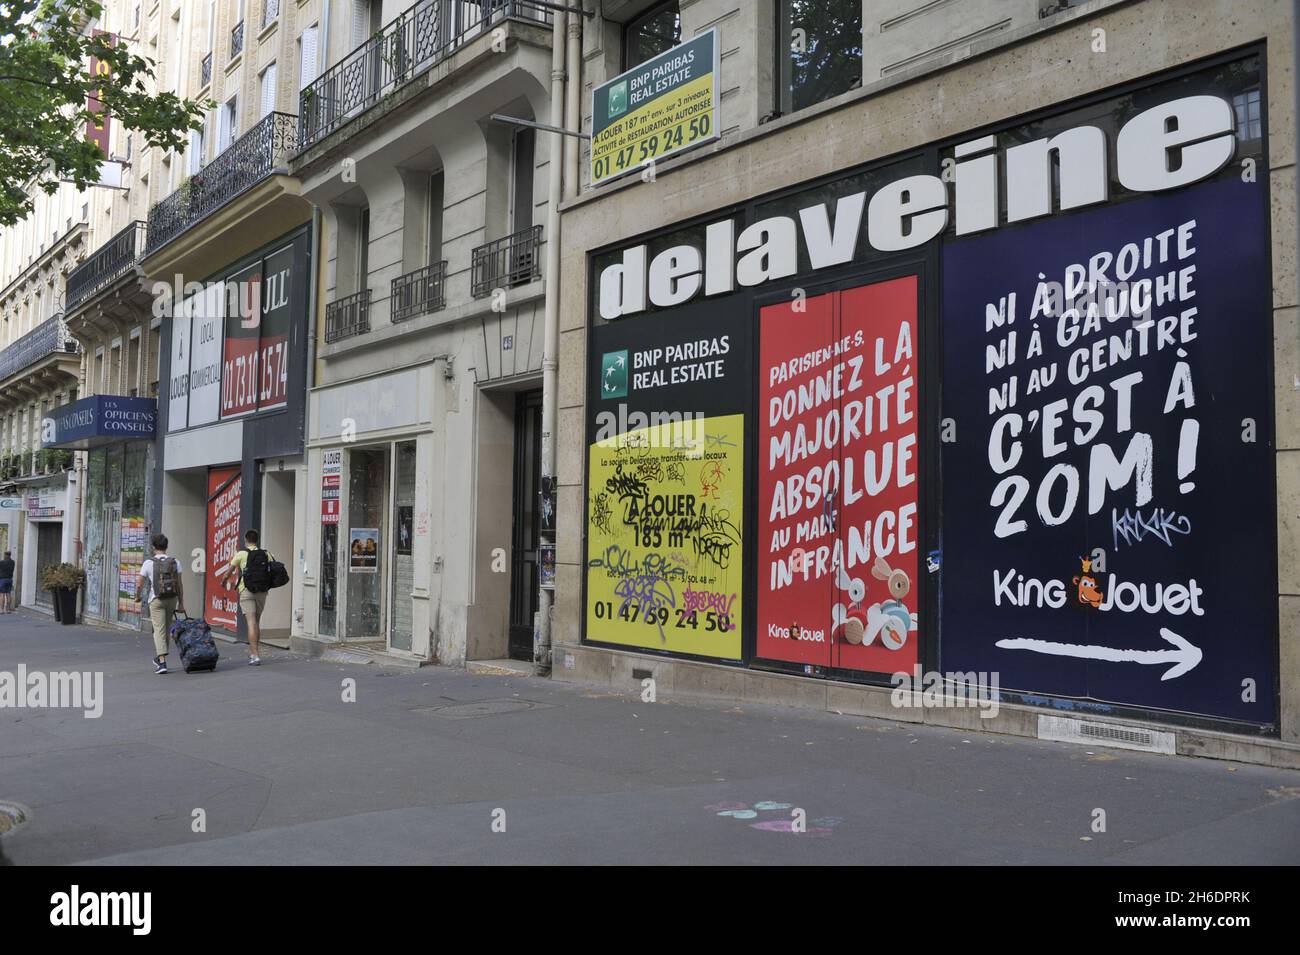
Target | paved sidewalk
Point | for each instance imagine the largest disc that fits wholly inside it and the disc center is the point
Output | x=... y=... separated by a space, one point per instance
x=286 y=772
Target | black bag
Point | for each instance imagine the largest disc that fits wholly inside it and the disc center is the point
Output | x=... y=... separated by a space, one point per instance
x=257 y=575
x=193 y=638
x=166 y=577
x=278 y=573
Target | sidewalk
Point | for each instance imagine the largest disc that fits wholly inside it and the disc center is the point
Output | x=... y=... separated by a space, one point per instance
x=286 y=772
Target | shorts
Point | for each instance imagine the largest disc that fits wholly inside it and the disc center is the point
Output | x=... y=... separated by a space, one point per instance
x=252 y=604
x=7 y=586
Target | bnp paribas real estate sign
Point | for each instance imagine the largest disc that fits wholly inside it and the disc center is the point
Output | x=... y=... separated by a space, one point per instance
x=656 y=109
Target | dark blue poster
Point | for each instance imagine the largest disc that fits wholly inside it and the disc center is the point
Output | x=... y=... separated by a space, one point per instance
x=1108 y=485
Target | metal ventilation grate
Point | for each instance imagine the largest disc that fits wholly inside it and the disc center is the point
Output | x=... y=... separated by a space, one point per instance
x=1064 y=729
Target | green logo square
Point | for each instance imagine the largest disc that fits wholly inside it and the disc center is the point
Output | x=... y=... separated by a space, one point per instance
x=613 y=374
x=617 y=99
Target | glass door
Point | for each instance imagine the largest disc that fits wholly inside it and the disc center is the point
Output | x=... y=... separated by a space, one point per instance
x=367 y=538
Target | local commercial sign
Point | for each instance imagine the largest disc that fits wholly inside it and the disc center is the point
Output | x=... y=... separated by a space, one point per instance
x=100 y=419
x=657 y=109
x=1037 y=444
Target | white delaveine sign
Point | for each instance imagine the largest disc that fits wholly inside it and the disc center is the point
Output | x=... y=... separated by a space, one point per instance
x=1170 y=145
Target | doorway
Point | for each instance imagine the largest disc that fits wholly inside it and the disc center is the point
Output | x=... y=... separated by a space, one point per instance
x=366 y=543
x=525 y=523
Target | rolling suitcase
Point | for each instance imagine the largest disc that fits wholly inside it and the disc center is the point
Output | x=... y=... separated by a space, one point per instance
x=193 y=638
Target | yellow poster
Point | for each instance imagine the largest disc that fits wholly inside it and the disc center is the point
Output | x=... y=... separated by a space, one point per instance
x=665 y=556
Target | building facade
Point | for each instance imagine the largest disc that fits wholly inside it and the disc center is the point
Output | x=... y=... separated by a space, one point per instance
x=423 y=519
x=921 y=366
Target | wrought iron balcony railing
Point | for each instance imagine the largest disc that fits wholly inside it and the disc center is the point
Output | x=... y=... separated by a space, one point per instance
x=205 y=70
x=260 y=152
x=270 y=10
x=514 y=260
x=109 y=262
x=48 y=337
x=237 y=40
x=419 y=37
x=348 y=316
x=420 y=292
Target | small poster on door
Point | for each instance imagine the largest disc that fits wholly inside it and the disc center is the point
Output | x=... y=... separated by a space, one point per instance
x=405 y=528
x=363 y=550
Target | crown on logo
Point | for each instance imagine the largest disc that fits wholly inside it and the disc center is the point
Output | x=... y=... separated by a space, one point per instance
x=1087 y=564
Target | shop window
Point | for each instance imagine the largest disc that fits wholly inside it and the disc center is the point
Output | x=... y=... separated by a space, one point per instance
x=819 y=51
x=653 y=32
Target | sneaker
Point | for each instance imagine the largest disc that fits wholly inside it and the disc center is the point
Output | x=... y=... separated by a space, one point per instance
x=159 y=665
x=254 y=661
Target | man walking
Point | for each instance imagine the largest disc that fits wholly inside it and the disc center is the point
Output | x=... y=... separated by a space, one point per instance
x=252 y=565
x=160 y=576
x=7 y=583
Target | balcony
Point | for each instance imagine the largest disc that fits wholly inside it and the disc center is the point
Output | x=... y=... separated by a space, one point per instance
x=347 y=317
x=237 y=40
x=48 y=338
x=270 y=10
x=505 y=263
x=261 y=152
x=110 y=262
x=417 y=39
x=205 y=70
x=420 y=292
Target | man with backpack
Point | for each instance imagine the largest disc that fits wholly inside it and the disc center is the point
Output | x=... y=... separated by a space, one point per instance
x=161 y=575
x=259 y=571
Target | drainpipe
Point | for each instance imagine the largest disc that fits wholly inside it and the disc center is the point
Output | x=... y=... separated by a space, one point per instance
x=573 y=106
x=551 y=349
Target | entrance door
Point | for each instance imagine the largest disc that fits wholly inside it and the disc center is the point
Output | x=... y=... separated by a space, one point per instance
x=526 y=523
x=111 y=584
x=49 y=550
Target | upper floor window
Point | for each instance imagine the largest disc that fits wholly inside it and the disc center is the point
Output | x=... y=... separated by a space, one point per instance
x=656 y=31
x=819 y=51
x=1246 y=107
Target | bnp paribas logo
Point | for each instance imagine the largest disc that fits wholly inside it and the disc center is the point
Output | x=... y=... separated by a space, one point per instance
x=618 y=99
x=613 y=374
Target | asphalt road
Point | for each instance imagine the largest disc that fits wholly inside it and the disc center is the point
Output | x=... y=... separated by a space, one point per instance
x=422 y=764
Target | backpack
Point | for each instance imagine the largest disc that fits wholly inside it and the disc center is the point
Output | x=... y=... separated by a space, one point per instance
x=257 y=577
x=166 y=574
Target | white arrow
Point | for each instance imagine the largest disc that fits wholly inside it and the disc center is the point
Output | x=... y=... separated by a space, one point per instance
x=1184 y=656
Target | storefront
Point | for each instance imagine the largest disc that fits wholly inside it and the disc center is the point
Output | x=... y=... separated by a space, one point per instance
x=235 y=356
x=998 y=403
x=117 y=433
x=48 y=537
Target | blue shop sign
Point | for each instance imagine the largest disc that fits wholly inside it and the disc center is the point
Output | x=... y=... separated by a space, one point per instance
x=98 y=420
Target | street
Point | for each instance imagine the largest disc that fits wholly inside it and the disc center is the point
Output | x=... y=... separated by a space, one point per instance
x=441 y=765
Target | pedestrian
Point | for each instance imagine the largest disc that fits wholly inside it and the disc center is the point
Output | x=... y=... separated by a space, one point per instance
x=7 y=583
x=253 y=566
x=159 y=584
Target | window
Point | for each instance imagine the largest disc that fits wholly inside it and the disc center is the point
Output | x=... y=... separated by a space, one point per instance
x=521 y=187
x=228 y=130
x=653 y=32
x=363 y=250
x=1246 y=107
x=268 y=89
x=434 y=236
x=819 y=51
x=307 y=57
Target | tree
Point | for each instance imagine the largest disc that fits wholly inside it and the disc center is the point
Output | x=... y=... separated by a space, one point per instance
x=46 y=86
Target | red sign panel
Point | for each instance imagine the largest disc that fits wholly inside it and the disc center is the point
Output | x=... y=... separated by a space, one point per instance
x=99 y=68
x=838 y=484
x=329 y=498
x=224 y=489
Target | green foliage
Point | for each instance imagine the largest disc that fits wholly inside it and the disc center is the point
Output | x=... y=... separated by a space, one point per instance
x=45 y=80
x=56 y=576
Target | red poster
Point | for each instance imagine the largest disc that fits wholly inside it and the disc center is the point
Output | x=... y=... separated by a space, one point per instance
x=224 y=489
x=838 y=526
x=98 y=134
x=329 y=498
x=239 y=371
